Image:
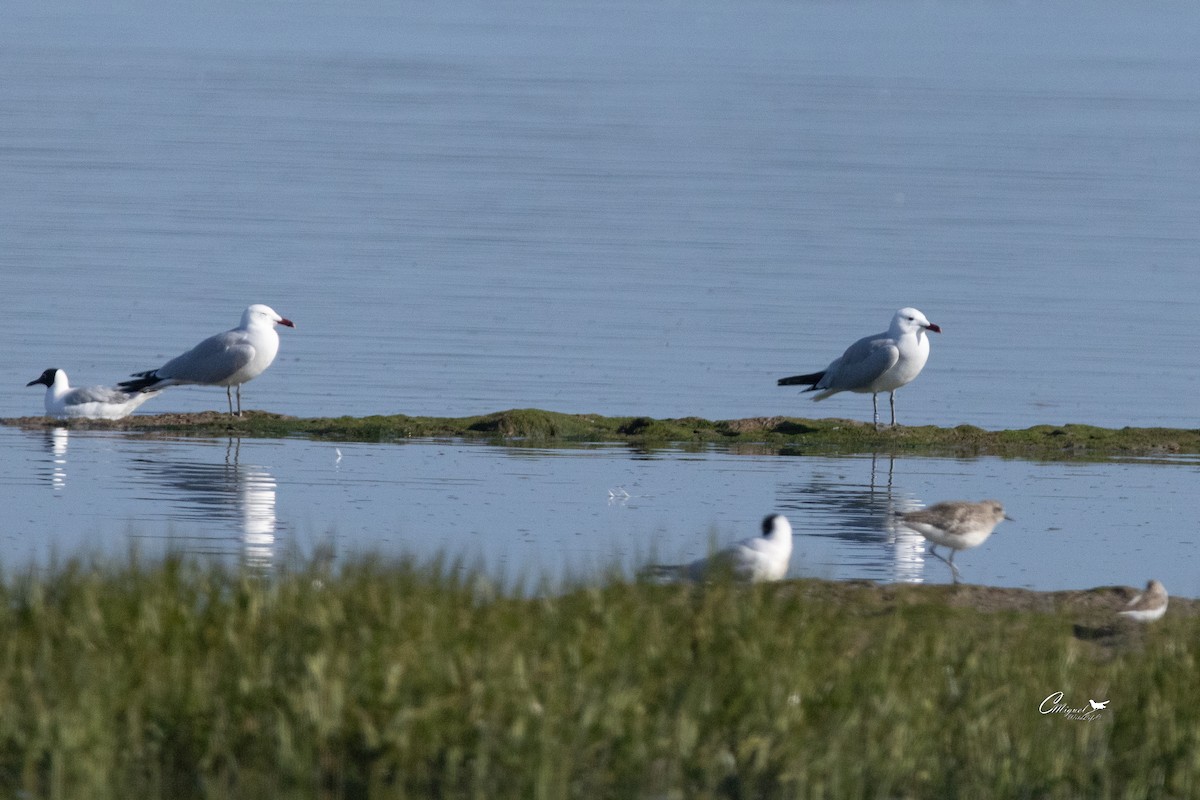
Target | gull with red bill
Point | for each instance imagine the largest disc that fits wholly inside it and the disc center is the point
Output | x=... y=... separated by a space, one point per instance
x=227 y=359
x=880 y=363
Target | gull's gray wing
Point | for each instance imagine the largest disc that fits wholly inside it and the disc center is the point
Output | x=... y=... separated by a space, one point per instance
x=212 y=361
x=94 y=394
x=861 y=364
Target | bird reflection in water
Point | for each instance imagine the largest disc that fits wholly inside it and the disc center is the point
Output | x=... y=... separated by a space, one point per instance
x=223 y=494
x=856 y=513
x=56 y=441
x=256 y=501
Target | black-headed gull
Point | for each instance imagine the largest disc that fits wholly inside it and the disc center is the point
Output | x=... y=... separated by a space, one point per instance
x=1147 y=606
x=957 y=524
x=86 y=402
x=762 y=558
x=227 y=359
x=880 y=363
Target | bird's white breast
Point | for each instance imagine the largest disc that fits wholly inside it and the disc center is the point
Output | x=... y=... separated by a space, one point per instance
x=266 y=346
x=914 y=352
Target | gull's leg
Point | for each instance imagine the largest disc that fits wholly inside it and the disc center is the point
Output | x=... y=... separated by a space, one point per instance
x=229 y=399
x=892 y=400
x=875 y=408
x=953 y=568
x=239 y=394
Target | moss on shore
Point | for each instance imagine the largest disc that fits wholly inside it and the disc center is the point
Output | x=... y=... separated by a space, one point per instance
x=781 y=434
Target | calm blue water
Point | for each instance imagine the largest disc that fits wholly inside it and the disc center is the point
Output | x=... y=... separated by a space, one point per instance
x=615 y=207
x=527 y=513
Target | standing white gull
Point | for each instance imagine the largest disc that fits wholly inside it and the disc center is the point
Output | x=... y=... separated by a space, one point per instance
x=226 y=359
x=880 y=363
x=86 y=402
x=762 y=558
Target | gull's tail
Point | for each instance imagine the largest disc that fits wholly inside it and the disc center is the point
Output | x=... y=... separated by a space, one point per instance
x=144 y=382
x=811 y=380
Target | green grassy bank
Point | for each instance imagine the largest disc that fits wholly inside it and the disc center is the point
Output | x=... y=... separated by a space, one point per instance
x=183 y=679
x=780 y=433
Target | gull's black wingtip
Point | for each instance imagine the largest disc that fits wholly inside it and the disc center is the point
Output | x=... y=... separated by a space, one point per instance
x=812 y=379
x=142 y=382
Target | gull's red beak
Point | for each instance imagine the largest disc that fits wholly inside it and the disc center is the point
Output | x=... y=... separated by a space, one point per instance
x=934 y=328
x=287 y=322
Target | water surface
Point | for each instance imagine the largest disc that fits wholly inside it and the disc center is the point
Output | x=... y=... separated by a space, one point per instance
x=610 y=207
x=531 y=513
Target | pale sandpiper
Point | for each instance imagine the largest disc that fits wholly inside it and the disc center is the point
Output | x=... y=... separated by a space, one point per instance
x=1148 y=606
x=957 y=524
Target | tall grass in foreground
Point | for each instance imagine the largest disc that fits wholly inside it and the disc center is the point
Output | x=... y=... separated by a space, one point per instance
x=185 y=679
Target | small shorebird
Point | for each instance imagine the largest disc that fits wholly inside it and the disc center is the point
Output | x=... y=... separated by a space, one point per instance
x=1148 y=606
x=957 y=524
x=880 y=363
x=86 y=402
x=761 y=558
x=226 y=359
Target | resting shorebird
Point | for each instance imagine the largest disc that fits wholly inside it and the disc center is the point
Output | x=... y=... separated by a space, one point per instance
x=762 y=558
x=86 y=402
x=1148 y=606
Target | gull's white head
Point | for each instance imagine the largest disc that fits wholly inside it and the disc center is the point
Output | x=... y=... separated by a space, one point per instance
x=776 y=526
x=259 y=314
x=910 y=320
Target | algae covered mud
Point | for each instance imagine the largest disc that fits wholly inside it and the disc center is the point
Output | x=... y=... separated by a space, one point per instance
x=784 y=433
x=405 y=679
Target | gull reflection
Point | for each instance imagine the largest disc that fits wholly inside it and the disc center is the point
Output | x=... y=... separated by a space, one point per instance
x=57 y=441
x=56 y=449
x=219 y=496
x=859 y=512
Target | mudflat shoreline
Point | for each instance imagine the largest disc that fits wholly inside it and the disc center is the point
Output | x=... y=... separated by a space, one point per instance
x=785 y=434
